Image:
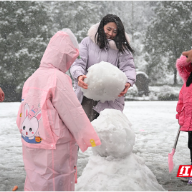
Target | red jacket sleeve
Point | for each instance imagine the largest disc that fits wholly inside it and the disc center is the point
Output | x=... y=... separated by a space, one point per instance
x=179 y=104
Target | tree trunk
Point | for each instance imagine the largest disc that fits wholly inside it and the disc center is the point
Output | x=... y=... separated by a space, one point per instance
x=132 y=15
x=175 y=76
x=175 y=70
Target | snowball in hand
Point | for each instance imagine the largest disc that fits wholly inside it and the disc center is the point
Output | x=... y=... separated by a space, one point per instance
x=105 y=82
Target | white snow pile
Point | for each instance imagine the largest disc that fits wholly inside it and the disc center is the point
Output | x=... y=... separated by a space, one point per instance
x=113 y=166
x=105 y=82
x=115 y=133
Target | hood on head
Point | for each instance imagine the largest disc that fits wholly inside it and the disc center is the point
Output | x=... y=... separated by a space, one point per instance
x=60 y=52
x=93 y=30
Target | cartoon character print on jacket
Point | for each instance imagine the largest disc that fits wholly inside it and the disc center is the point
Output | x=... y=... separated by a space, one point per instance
x=30 y=125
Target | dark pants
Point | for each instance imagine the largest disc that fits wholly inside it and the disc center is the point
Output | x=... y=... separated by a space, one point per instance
x=88 y=105
x=190 y=143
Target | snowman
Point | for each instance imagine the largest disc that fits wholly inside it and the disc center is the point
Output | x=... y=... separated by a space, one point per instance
x=113 y=166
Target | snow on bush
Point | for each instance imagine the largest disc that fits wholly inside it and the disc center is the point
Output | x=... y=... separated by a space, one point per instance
x=132 y=91
x=168 y=93
x=105 y=82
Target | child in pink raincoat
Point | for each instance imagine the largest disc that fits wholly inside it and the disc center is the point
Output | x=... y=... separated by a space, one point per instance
x=184 y=105
x=51 y=120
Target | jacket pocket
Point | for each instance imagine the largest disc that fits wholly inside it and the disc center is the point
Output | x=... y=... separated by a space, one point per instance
x=182 y=116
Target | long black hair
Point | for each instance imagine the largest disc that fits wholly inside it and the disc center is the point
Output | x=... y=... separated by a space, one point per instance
x=189 y=80
x=120 y=40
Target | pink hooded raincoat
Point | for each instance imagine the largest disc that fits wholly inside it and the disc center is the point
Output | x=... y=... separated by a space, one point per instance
x=52 y=122
x=184 y=105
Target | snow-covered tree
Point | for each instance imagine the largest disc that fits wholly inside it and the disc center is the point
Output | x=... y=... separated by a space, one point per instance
x=24 y=35
x=79 y=16
x=168 y=35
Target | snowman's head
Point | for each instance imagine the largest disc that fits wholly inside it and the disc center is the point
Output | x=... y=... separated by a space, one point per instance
x=115 y=133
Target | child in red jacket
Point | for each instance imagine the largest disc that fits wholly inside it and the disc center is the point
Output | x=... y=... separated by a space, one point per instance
x=184 y=105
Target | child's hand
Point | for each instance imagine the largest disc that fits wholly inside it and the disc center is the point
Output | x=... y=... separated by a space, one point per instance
x=189 y=55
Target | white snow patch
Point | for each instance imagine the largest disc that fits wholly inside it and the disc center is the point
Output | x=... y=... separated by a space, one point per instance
x=115 y=133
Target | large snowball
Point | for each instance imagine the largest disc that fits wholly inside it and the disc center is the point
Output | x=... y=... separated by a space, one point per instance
x=105 y=82
x=115 y=133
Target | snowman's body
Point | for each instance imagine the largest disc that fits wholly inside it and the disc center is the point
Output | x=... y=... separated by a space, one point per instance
x=113 y=166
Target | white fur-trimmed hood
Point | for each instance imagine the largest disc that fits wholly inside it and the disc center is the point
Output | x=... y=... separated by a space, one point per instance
x=93 y=30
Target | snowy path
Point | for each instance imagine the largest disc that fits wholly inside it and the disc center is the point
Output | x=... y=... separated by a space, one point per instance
x=153 y=122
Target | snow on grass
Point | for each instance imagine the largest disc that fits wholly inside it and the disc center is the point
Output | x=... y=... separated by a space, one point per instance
x=155 y=127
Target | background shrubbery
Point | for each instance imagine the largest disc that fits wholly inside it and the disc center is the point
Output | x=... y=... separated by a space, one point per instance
x=161 y=93
x=158 y=38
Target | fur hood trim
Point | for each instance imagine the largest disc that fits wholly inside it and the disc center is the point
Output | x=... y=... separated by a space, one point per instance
x=184 y=69
x=93 y=30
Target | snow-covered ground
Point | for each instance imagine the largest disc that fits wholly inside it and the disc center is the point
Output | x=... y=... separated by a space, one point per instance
x=155 y=127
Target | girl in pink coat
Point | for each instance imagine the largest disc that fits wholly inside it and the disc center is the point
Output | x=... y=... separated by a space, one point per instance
x=184 y=105
x=51 y=120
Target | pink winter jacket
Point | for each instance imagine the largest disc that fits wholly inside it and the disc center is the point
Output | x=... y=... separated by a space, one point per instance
x=184 y=105
x=184 y=108
x=51 y=120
